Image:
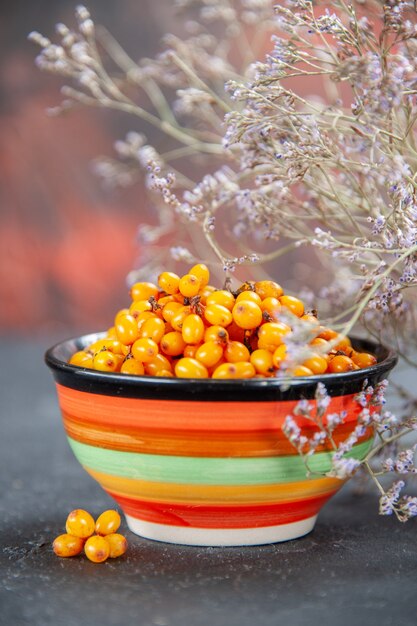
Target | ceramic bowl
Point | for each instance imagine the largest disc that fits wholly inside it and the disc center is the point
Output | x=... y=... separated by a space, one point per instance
x=204 y=462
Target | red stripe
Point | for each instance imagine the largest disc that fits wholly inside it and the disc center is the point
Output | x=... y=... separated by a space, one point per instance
x=225 y=516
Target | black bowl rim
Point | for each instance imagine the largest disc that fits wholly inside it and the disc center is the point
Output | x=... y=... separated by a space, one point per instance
x=269 y=389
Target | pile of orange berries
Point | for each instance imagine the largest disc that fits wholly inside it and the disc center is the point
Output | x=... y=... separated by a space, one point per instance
x=186 y=328
x=98 y=539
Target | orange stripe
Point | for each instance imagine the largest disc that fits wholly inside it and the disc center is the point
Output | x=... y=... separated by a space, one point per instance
x=196 y=495
x=194 y=443
x=189 y=415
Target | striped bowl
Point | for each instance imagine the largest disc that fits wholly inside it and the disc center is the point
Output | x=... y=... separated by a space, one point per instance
x=205 y=462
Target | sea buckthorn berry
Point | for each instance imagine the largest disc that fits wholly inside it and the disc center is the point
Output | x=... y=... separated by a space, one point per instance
x=108 y=522
x=216 y=333
x=223 y=297
x=302 y=370
x=164 y=374
x=189 y=285
x=127 y=330
x=209 y=353
x=193 y=329
x=82 y=359
x=145 y=349
x=244 y=369
x=190 y=349
x=178 y=319
x=236 y=351
x=139 y=306
x=143 y=291
x=153 y=328
x=143 y=317
x=112 y=345
x=106 y=361
x=172 y=343
x=311 y=319
x=340 y=363
x=68 y=545
x=111 y=333
x=133 y=367
x=268 y=289
x=190 y=368
x=205 y=292
x=170 y=310
x=293 y=304
x=80 y=524
x=343 y=343
x=202 y=272
x=225 y=371
x=247 y=314
x=158 y=363
x=318 y=341
x=271 y=307
x=279 y=355
x=218 y=315
x=272 y=334
x=165 y=299
x=120 y=313
x=327 y=333
x=117 y=545
x=249 y=295
x=169 y=282
x=363 y=359
x=262 y=361
x=97 y=549
x=317 y=364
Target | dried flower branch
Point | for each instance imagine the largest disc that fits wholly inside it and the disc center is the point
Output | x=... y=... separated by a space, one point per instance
x=387 y=431
x=312 y=144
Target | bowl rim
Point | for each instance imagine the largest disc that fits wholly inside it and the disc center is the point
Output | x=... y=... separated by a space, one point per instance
x=135 y=386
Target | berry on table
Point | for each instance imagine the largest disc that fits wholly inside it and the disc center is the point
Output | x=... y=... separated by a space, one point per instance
x=68 y=545
x=80 y=524
x=108 y=522
x=97 y=549
x=117 y=545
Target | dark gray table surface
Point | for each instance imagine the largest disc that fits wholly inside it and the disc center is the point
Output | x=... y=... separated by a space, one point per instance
x=356 y=567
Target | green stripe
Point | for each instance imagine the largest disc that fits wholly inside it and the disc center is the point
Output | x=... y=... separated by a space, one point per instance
x=207 y=470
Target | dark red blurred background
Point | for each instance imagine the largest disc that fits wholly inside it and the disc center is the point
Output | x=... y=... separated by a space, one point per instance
x=66 y=245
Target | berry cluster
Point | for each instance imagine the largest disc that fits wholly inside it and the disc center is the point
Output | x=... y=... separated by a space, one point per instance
x=186 y=328
x=99 y=539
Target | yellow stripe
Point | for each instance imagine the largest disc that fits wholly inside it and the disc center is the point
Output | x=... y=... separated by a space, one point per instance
x=216 y=494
